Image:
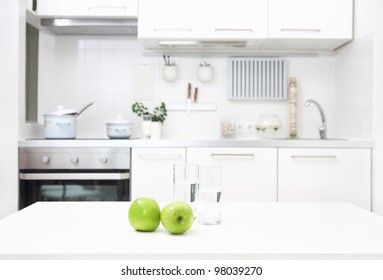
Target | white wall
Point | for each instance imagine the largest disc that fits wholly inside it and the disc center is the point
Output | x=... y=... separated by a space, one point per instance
x=375 y=23
x=354 y=75
x=11 y=19
x=359 y=72
x=75 y=70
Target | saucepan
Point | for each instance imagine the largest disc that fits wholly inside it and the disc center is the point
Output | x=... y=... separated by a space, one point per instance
x=119 y=128
x=62 y=123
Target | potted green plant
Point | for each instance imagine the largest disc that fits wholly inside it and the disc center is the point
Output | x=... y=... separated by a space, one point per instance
x=156 y=118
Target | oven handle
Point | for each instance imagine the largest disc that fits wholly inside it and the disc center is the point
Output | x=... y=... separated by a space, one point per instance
x=74 y=176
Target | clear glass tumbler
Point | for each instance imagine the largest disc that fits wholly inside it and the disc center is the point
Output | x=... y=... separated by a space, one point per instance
x=146 y=126
x=209 y=205
x=185 y=184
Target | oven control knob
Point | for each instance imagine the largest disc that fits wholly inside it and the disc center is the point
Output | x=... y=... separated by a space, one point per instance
x=74 y=159
x=103 y=159
x=45 y=159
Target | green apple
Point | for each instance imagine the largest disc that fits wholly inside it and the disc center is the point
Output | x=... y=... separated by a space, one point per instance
x=177 y=217
x=144 y=214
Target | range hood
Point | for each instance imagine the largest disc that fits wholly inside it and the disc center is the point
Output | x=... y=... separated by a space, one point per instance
x=86 y=26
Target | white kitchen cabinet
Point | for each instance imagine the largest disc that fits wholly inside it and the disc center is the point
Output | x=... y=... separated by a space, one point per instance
x=240 y=19
x=249 y=174
x=86 y=8
x=309 y=24
x=325 y=175
x=202 y=20
x=152 y=172
x=168 y=19
x=257 y=24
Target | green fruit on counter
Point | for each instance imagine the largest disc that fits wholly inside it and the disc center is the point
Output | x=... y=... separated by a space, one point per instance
x=177 y=217
x=144 y=214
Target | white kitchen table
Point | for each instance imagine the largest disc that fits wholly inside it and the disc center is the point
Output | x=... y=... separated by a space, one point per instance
x=101 y=230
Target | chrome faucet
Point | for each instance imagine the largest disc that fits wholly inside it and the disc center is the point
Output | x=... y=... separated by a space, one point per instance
x=323 y=127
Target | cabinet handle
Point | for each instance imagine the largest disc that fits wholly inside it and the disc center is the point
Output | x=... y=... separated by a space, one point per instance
x=313 y=157
x=106 y=8
x=74 y=176
x=233 y=155
x=233 y=30
x=172 y=29
x=160 y=157
x=300 y=30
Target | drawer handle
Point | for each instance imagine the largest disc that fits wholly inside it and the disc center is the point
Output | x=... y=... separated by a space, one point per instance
x=106 y=8
x=233 y=155
x=172 y=29
x=233 y=30
x=160 y=157
x=317 y=30
x=74 y=176
x=314 y=157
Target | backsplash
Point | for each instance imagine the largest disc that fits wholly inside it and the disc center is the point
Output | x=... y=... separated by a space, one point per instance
x=116 y=71
x=354 y=88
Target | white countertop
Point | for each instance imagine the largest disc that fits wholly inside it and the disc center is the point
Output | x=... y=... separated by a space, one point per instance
x=272 y=143
x=101 y=230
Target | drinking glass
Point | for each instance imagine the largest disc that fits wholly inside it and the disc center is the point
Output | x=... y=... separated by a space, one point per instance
x=209 y=195
x=146 y=126
x=185 y=184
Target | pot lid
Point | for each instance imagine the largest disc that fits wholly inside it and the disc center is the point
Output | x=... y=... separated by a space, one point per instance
x=119 y=120
x=61 y=110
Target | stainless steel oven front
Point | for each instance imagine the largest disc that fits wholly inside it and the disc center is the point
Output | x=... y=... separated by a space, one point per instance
x=73 y=174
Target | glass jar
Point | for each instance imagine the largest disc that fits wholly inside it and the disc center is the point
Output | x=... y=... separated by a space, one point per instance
x=268 y=126
x=228 y=127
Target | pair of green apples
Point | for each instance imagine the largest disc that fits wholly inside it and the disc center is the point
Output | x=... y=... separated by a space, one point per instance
x=145 y=215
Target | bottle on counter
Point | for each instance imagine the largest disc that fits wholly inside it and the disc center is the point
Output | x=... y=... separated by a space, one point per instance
x=293 y=107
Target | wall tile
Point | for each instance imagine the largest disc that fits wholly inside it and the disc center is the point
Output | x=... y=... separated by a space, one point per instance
x=354 y=87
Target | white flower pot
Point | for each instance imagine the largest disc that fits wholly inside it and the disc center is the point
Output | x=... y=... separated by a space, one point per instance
x=155 y=130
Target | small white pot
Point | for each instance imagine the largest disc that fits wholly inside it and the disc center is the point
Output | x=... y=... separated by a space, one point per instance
x=170 y=73
x=119 y=128
x=155 y=130
x=60 y=127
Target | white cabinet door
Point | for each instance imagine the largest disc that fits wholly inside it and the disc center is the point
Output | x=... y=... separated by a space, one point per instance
x=325 y=175
x=249 y=174
x=240 y=19
x=169 y=19
x=302 y=20
x=152 y=172
x=85 y=8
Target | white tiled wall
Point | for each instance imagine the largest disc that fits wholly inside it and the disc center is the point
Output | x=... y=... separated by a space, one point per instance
x=9 y=93
x=354 y=88
x=75 y=70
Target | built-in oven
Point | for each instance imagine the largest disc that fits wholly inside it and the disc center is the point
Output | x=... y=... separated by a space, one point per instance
x=73 y=174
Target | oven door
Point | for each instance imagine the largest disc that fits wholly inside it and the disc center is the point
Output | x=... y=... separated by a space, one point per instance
x=78 y=185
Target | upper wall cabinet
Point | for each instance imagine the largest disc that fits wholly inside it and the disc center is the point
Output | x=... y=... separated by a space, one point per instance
x=208 y=23
x=309 y=24
x=240 y=19
x=269 y=25
x=168 y=19
x=87 y=8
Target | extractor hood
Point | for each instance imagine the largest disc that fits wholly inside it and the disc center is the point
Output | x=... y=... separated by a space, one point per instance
x=86 y=26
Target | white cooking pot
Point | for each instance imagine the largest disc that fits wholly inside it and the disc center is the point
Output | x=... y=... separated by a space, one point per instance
x=62 y=123
x=60 y=127
x=119 y=128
